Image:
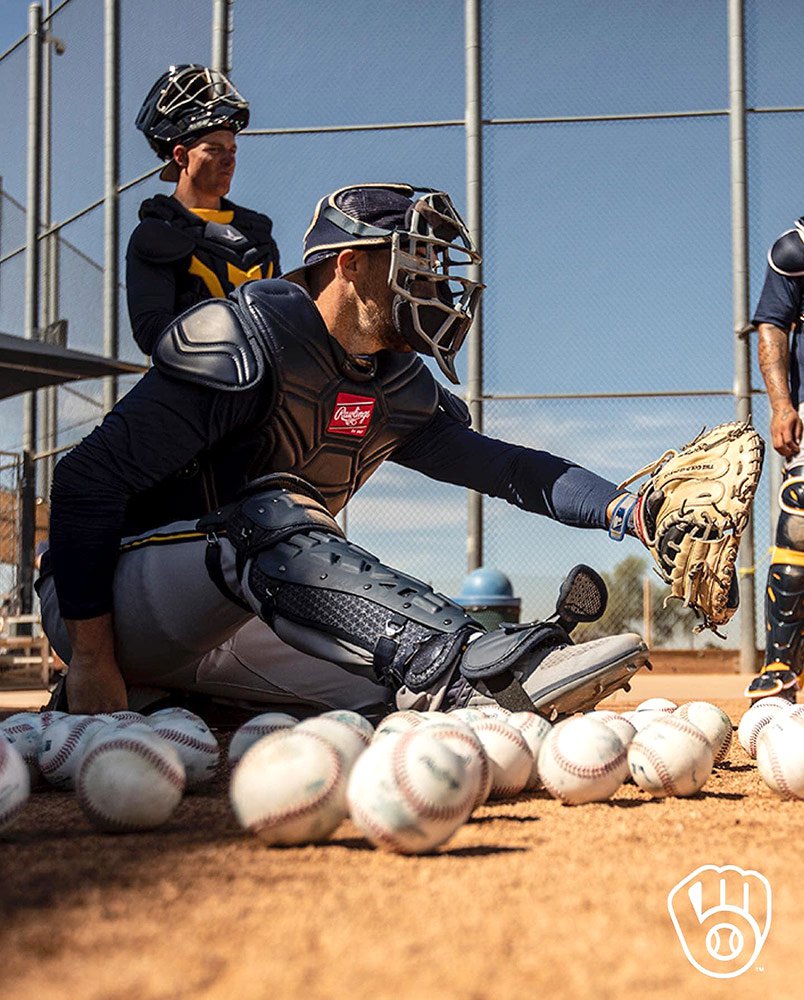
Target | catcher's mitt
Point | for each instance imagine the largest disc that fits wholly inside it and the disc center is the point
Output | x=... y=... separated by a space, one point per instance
x=692 y=510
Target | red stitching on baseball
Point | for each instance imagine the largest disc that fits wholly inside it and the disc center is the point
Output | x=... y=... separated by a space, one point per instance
x=584 y=770
x=162 y=766
x=425 y=809
x=661 y=769
x=177 y=736
x=309 y=806
x=380 y=832
x=67 y=748
x=778 y=774
x=493 y=725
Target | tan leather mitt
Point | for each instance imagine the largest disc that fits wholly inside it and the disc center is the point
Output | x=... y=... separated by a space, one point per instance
x=692 y=510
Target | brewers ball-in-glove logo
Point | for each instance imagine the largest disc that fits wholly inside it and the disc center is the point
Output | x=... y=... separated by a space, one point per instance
x=722 y=917
x=691 y=512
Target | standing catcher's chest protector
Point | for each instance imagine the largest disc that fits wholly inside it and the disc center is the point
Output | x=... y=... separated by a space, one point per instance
x=332 y=422
x=211 y=259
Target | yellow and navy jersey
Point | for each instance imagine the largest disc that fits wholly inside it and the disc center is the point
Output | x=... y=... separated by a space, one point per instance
x=178 y=257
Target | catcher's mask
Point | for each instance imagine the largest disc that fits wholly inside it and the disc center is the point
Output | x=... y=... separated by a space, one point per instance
x=434 y=301
x=183 y=105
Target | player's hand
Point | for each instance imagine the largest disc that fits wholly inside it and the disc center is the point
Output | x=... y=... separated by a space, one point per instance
x=786 y=430
x=95 y=685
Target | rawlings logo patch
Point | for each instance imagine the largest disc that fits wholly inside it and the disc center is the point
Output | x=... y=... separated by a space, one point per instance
x=352 y=415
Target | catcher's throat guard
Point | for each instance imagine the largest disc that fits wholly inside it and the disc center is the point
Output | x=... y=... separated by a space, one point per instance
x=691 y=512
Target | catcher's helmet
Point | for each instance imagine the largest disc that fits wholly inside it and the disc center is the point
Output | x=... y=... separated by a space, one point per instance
x=433 y=306
x=185 y=103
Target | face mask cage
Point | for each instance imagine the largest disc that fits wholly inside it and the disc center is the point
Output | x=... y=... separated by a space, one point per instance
x=436 y=301
x=199 y=90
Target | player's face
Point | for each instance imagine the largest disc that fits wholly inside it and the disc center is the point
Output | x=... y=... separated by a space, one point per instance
x=211 y=162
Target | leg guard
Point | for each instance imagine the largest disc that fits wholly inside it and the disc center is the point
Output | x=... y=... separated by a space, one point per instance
x=334 y=600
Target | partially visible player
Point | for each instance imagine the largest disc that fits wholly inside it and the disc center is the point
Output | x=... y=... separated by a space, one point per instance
x=195 y=244
x=779 y=312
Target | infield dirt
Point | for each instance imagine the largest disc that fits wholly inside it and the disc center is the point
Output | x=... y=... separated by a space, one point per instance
x=530 y=899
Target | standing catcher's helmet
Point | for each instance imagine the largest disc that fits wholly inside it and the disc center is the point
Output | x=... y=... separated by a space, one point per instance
x=184 y=104
x=434 y=304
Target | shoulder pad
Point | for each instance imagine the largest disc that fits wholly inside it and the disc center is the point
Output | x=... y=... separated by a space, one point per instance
x=273 y=302
x=210 y=345
x=786 y=256
x=257 y=225
x=453 y=406
x=160 y=242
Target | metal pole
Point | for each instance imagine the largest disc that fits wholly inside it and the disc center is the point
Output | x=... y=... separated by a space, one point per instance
x=29 y=429
x=740 y=307
x=222 y=35
x=47 y=397
x=111 y=204
x=474 y=198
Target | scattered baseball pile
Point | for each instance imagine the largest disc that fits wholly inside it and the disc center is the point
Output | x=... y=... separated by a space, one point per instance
x=408 y=785
x=128 y=771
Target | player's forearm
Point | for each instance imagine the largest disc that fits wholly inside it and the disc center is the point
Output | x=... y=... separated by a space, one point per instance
x=774 y=363
x=92 y=639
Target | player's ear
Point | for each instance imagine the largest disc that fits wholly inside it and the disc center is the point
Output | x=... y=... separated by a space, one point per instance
x=180 y=155
x=347 y=265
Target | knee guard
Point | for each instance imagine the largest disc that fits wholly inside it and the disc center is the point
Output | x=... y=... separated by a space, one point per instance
x=331 y=598
x=784 y=596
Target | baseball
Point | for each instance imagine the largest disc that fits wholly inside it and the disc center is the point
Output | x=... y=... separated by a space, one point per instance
x=754 y=721
x=62 y=747
x=24 y=732
x=253 y=730
x=713 y=723
x=122 y=718
x=535 y=728
x=780 y=756
x=671 y=756
x=197 y=748
x=15 y=784
x=467 y=715
x=509 y=756
x=582 y=761
x=466 y=744
x=398 y=722
x=289 y=788
x=494 y=712
x=129 y=779
x=353 y=719
x=409 y=793
x=640 y=719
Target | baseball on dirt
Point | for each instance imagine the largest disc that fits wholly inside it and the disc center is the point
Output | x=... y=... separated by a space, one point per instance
x=713 y=723
x=509 y=756
x=582 y=761
x=657 y=705
x=754 y=721
x=24 y=732
x=348 y=741
x=15 y=784
x=289 y=788
x=129 y=779
x=671 y=756
x=253 y=730
x=196 y=746
x=409 y=793
x=619 y=724
x=396 y=723
x=780 y=755
x=353 y=719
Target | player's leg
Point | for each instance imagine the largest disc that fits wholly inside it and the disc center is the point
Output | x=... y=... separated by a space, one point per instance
x=784 y=596
x=334 y=600
x=175 y=631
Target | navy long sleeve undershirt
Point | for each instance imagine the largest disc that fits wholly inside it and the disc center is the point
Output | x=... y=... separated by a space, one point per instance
x=121 y=479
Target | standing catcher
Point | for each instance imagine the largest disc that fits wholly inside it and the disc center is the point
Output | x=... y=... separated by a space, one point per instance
x=195 y=244
x=779 y=311
x=280 y=402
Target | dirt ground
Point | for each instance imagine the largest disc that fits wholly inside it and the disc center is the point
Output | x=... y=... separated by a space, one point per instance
x=530 y=898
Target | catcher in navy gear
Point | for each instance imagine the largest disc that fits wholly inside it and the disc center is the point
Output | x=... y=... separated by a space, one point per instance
x=193 y=533
x=778 y=313
x=196 y=244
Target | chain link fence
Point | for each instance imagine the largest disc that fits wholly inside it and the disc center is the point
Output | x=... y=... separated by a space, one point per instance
x=607 y=224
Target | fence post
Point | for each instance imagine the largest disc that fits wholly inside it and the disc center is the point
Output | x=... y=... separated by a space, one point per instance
x=32 y=211
x=111 y=203
x=474 y=196
x=27 y=531
x=222 y=36
x=740 y=309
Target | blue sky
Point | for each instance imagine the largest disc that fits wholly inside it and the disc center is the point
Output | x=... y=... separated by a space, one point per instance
x=607 y=245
